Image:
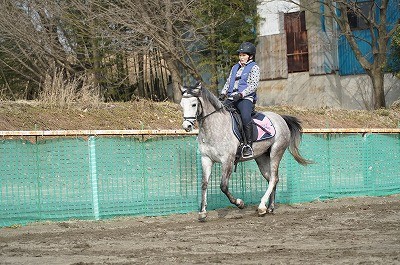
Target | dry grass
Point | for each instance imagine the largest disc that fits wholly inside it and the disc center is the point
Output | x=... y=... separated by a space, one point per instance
x=76 y=105
x=61 y=93
x=146 y=114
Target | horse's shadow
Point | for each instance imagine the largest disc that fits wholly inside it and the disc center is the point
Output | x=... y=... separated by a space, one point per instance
x=234 y=213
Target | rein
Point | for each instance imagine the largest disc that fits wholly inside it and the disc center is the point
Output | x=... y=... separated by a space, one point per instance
x=199 y=112
x=200 y=118
x=209 y=114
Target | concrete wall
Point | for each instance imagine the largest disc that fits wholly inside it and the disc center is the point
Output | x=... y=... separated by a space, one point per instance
x=332 y=91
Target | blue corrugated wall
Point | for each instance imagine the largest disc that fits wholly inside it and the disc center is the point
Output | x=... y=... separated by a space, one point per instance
x=348 y=64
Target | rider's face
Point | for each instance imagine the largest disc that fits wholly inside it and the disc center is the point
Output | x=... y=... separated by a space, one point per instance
x=243 y=57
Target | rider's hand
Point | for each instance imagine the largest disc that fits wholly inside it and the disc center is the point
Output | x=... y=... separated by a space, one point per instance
x=222 y=97
x=237 y=96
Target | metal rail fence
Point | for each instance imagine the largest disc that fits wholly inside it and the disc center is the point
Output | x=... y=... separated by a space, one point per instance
x=61 y=175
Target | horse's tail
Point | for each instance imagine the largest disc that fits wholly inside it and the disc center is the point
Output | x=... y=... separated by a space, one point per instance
x=294 y=125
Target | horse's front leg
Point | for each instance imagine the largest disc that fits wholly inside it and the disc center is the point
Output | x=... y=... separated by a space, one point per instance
x=206 y=165
x=271 y=201
x=226 y=175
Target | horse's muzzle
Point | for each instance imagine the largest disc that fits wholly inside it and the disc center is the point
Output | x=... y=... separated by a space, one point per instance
x=188 y=125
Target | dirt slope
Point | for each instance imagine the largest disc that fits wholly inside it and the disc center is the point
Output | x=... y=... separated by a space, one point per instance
x=143 y=114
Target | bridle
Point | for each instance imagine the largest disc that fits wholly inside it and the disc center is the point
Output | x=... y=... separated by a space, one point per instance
x=200 y=111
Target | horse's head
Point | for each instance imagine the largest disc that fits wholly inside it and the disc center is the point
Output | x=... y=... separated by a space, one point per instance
x=190 y=105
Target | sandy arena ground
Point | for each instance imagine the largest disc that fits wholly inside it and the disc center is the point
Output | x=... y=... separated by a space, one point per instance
x=345 y=231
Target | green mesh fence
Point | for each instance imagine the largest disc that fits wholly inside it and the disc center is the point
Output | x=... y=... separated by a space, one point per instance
x=103 y=177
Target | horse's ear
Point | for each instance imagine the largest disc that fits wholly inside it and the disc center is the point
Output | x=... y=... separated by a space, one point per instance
x=197 y=88
x=183 y=89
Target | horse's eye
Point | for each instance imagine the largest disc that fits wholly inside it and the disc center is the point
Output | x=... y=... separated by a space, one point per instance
x=194 y=105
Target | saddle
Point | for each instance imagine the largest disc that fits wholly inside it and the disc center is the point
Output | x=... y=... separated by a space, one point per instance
x=263 y=129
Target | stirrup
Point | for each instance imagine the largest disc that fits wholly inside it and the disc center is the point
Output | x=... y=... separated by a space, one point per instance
x=251 y=149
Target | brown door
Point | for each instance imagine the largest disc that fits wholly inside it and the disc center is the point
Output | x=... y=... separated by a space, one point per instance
x=296 y=39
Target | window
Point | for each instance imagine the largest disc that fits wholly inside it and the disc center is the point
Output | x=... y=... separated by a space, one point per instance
x=297 y=43
x=355 y=14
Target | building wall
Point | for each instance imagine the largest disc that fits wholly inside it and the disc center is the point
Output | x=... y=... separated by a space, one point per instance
x=271 y=56
x=321 y=86
x=331 y=91
x=271 y=16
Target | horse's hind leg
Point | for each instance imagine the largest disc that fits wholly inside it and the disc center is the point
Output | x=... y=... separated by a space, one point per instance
x=226 y=174
x=206 y=164
x=263 y=163
x=268 y=165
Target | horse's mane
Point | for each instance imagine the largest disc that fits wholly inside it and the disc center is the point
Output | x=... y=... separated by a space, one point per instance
x=212 y=99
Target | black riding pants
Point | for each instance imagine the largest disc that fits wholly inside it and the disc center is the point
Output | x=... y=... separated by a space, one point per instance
x=245 y=108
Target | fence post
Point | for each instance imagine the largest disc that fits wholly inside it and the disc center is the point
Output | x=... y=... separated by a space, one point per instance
x=293 y=183
x=369 y=181
x=93 y=176
x=143 y=173
x=38 y=178
x=329 y=165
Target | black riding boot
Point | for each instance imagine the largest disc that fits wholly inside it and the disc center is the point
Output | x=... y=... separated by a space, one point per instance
x=247 y=148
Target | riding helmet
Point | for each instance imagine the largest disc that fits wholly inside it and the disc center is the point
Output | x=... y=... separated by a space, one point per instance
x=247 y=47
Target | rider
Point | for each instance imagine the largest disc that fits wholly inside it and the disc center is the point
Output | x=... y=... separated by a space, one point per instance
x=240 y=89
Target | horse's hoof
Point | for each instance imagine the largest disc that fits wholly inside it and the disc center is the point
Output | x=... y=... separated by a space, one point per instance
x=270 y=211
x=202 y=217
x=262 y=211
x=240 y=204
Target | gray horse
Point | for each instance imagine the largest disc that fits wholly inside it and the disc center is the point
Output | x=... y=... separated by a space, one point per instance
x=217 y=143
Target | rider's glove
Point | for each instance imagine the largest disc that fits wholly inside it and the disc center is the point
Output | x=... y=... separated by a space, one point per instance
x=237 y=96
x=222 y=97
